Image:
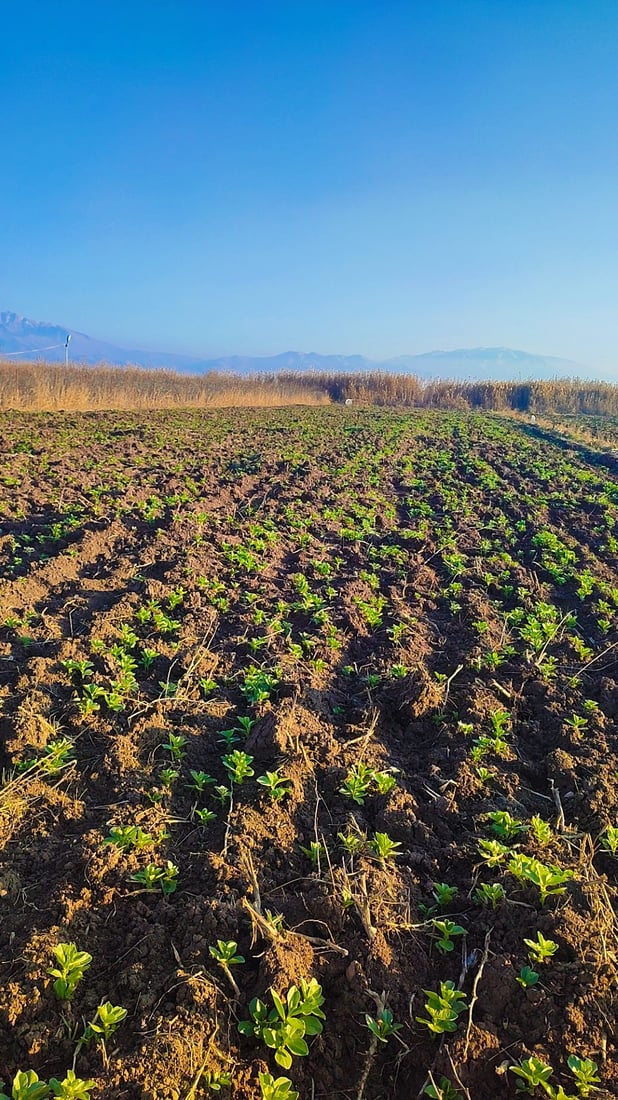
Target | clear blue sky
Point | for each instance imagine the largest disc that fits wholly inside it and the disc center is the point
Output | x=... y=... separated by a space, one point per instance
x=327 y=175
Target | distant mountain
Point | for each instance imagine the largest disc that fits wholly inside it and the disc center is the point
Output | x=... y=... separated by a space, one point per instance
x=21 y=338
x=486 y=363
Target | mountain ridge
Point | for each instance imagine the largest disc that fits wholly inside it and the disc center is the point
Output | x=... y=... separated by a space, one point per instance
x=23 y=338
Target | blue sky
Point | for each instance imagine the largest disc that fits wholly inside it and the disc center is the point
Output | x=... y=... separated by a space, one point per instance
x=327 y=175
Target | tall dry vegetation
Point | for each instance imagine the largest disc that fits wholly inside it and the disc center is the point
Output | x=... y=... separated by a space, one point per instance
x=52 y=387
x=43 y=386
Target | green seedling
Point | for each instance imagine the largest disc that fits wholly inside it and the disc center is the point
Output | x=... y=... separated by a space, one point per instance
x=207 y=685
x=221 y=794
x=541 y=830
x=246 y=724
x=88 y=703
x=490 y=894
x=26 y=1086
x=127 y=837
x=504 y=826
x=148 y=657
x=276 y=1088
x=71 y=966
x=238 y=766
x=584 y=1071
x=176 y=597
x=229 y=737
x=225 y=954
x=442 y=1008
x=259 y=685
x=175 y=745
x=484 y=775
x=315 y=852
x=541 y=950
x=284 y=1027
x=151 y=876
x=71 y=1088
x=168 y=777
x=532 y=1073
x=205 y=817
x=493 y=852
x=444 y=1090
x=200 y=781
x=444 y=894
x=384 y=781
x=217 y=1079
x=527 y=977
x=357 y=783
x=577 y=723
x=383 y=1025
x=57 y=755
x=169 y=689
x=444 y=930
x=609 y=840
x=81 y=670
x=354 y=841
x=383 y=848
x=107 y=1020
x=276 y=785
x=549 y=880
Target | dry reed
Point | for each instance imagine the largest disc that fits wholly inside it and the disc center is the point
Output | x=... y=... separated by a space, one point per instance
x=53 y=387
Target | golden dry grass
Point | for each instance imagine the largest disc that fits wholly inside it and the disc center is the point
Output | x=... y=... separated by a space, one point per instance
x=43 y=387
x=39 y=387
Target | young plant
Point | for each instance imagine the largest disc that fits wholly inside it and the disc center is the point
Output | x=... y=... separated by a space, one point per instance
x=152 y=876
x=442 y=1008
x=204 y=817
x=284 y=1027
x=383 y=1025
x=71 y=1088
x=541 y=950
x=444 y=930
x=276 y=785
x=276 y=1088
x=70 y=969
x=384 y=848
x=541 y=830
x=357 y=783
x=127 y=837
x=609 y=840
x=493 y=852
x=384 y=781
x=314 y=852
x=107 y=1020
x=584 y=1071
x=527 y=977
x=532 y=1073
x=217 y=1079
x=444 y=894
x=490 y=894
x=175 y=745
x=550 y=880
x=168 y=777
x=238 y=766
x=504 y=826
x=225 y=954
x=200 y=781
x=443 y=1090
x=26 y=1086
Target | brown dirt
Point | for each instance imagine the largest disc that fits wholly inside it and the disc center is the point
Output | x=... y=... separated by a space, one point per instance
x=101 y=515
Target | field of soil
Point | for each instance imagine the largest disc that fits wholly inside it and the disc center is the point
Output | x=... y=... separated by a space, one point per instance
x=338 y=688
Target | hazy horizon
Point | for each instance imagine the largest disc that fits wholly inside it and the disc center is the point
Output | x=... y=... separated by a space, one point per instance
x=383 y=180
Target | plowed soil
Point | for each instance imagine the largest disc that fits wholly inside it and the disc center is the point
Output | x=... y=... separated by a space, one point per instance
x=431 y=596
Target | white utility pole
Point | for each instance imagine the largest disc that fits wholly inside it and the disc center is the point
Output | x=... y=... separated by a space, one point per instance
x=66 y=351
